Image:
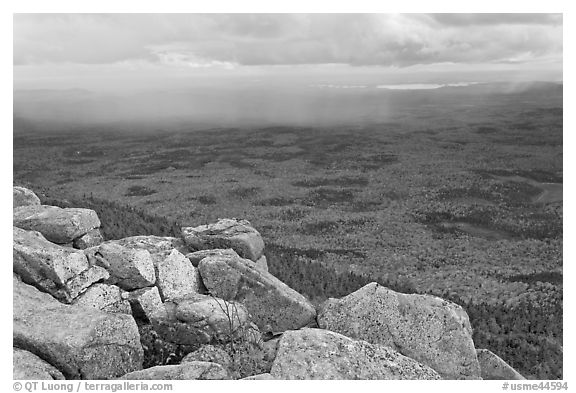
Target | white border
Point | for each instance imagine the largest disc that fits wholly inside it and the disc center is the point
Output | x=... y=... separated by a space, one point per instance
x=242 y=6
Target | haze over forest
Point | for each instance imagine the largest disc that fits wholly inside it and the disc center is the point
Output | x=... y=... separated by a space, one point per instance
x=222 y=69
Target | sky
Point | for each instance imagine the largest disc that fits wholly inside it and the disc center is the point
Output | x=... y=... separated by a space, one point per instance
x=126 y=52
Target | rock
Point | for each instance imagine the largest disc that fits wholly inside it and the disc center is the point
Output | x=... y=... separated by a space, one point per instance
x=90 y=239
x=159 y=351
x=197 y=256
x=270 y=349
x=24 y=197
x=57 y=225
x=273 y=305
x=27 y=366
x=226 y=233
x=428 y=329
x=494 y=367
x=177 y=277
x=222 y=316
x=260 y=376
x=198 y=319
x=82 y=281
x=210 y=353
x=322 y=354
x=80 y=341
x=60 y=271
x=104 y=297
x=144 y=302
x=184 y=371
x=128 y=268
x=262 y=264
x=154 y=244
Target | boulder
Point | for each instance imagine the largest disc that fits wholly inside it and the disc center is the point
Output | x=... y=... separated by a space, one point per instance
x=210 y=353
x=154 y=244
x=93 y=274
x=262 y=264
x=104 y=297
x=184 y=371
x=177 y=277
x=428 y=329
x=322 y=354
x=198 y=319
x=24 y=197
x=273 y=305
x=128 y=268
x=60 y=271
x=143 y=302
x=90 y=239
x=27 y=366
x=494 y=367
x=81 y=342
x=226 y=233
x=58 y=225
x=197 y=256
x=221 y=316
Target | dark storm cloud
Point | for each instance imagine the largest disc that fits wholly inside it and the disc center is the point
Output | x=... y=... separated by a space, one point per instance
x=231 y=40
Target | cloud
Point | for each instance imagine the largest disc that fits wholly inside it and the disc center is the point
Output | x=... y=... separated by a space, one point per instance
x=498 y=19
x=235 y=40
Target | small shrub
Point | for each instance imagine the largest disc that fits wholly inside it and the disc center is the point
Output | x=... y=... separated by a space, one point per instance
x=277 y=201
x=243 y=343
x=158 y=352
x=319 y=227
x=139 y=191
x=244 y=192
x=326 y=196
x=344 y=181
x=207 y=199
x=292 y=214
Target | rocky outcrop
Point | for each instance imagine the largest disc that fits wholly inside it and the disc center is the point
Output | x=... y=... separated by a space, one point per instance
x=184 y=371
x=321 y=354
x=177 y=277
x=493 y=367
x=57 y=225
x=90 y=239
x=373 y=333
x=27 y=366
x=273 y=305
x=428 y=329
x=198 y=319
x=238 y=235
x=24 y=197
x=81 y=342
x=63 y=272
x=104 y=297
x=144 y=302
x=128 y=268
